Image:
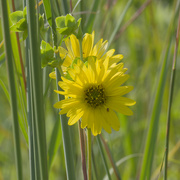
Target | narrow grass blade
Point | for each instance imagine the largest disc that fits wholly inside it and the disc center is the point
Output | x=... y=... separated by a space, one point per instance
x=90 y=20
x=153 y=126
x=134 y=17
x=119 y=22
x=111 y=158
x=8 y=49
x=2 y=58
x=127 y=146
x=47 y=7
x=65 y=6
x=83 y=155
x=89 y=154
x=54 y=142
x=69 y=160
x=83 y=15
x=39 y=125
x=170 y=98
x=103 y=157
x=5 y=90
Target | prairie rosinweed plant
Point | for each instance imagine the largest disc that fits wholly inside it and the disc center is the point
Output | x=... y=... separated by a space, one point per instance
x=94 y=90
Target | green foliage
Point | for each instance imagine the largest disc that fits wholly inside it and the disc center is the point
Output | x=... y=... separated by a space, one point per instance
x=47 y=54
x=19 y=20
x=67 y=25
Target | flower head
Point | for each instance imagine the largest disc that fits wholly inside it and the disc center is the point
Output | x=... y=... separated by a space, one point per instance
x=88 y=48
x=94 y=94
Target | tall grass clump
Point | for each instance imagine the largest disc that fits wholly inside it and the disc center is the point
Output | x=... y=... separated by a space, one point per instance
x=69 y=72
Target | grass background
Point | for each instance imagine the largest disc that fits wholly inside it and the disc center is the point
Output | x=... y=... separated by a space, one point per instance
x=143 y=44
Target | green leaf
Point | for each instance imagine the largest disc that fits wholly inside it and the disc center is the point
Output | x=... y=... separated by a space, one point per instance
x=70 y=21
x=20 y=26
x=67 y=25
x=47 y=54
x=25 y=13
x=25 y=34
x=60 y=21
x=16 y=16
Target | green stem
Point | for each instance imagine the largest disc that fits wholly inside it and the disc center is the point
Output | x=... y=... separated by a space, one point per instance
x=81 y=50
x=36 y=72
x=8 y=49
x=83 y=157
x=65 y=6
x=89 y=154
x=103 y=157
x=170 y=98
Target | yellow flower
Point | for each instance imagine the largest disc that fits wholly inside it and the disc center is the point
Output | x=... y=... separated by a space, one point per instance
x=88 y=48
x=94 y=94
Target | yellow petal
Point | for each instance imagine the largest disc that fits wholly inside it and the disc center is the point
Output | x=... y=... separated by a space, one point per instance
x=115 y=59
x=52 y=75
x=87 y=45
x=119 y=108
x=73 y=119
x=75 y=45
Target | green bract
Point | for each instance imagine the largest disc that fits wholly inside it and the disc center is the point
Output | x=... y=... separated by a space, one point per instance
x=67 y=25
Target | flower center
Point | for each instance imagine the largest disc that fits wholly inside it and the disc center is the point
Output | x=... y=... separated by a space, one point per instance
x=95 y=96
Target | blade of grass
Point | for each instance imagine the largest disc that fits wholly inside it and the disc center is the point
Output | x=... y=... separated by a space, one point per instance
x=127 y=145
x=111 y=158
x=2 y=58
x=89 y=154
x=90 y=20
x=65 y=6
x=69 y=161
x=119 y=23
x=170 y=98
x=153 y=126
x=103 y=156
x=123 y=160
x=134 y=17
x=83 y=15
x=39 y=125
x=19 y=51
x=54 y=142
x=5 y=90
x=83 y=157
x=8 y=50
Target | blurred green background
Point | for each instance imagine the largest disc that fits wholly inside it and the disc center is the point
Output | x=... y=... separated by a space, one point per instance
x=143 y=44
